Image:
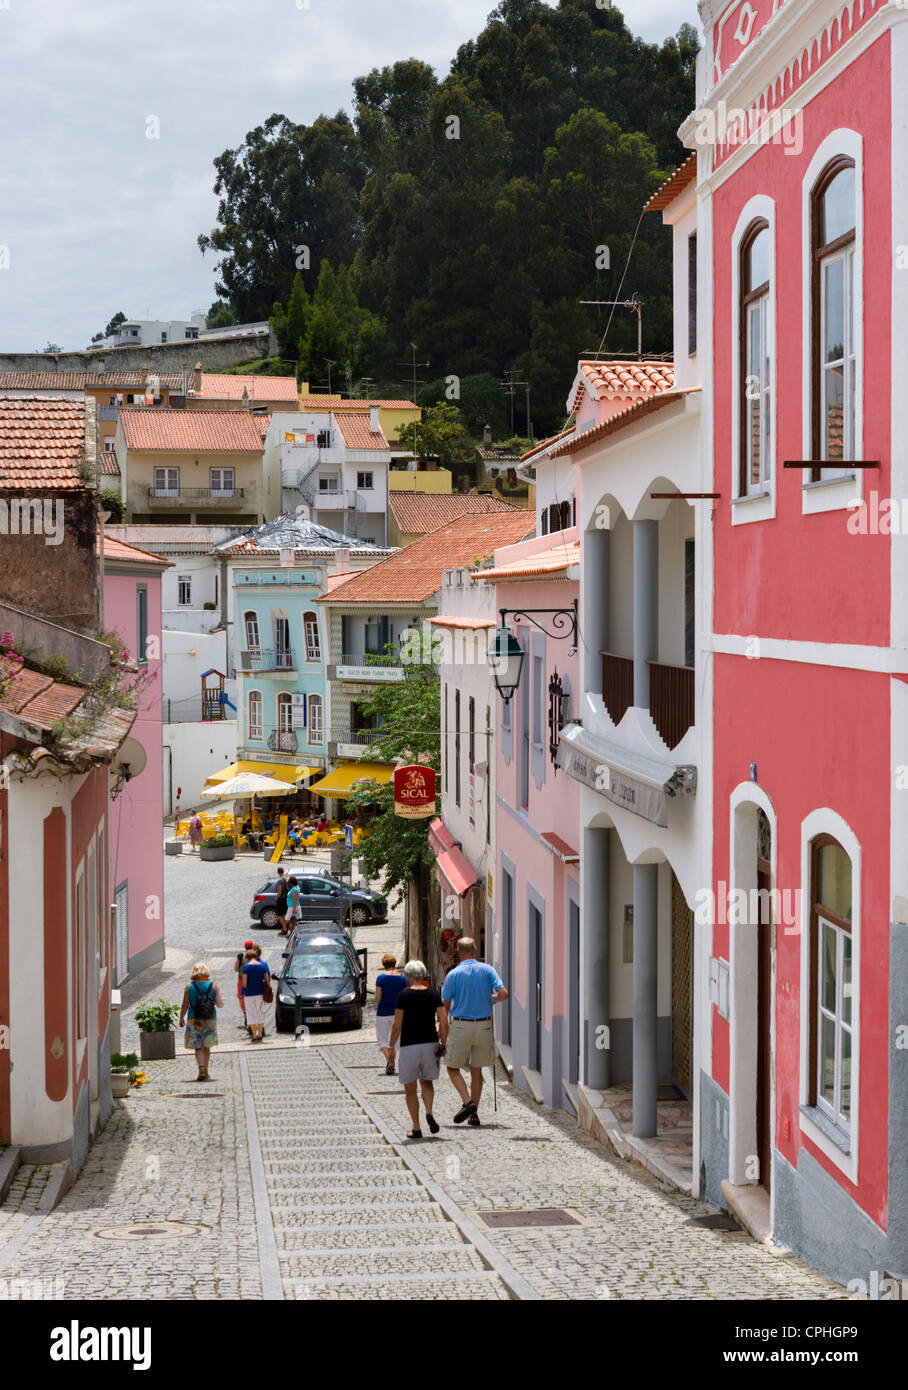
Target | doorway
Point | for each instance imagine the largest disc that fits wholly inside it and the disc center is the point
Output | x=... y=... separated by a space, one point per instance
x=535 y=1000
x=682 y=988
x=573 y=1060
x=507 y=950
x=121 y=904
x=764 y=999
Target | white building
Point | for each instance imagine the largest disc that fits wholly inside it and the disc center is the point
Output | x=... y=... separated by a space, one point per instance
x=334 y=462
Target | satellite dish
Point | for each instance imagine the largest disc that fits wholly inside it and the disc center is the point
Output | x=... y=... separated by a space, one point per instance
x=130 y=760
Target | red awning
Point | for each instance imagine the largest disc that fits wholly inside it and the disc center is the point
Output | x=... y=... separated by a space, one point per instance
x=439 y=837
x=457 y=871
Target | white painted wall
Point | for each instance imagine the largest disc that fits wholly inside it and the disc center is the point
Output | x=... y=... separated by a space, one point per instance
x=186 y=655
x=192 y=753
x=682 y=216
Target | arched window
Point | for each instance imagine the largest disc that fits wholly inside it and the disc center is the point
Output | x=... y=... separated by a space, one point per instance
x=832 y=982
x=255 y=714
x=315 y=719
x=251 y=625
x=284 y=714
x=756 y=381
x=310 y=630
x=834 y=358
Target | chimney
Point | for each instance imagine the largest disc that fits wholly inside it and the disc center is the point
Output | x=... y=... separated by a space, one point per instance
x=341 y=560
x=374 y=425
x=487 y=436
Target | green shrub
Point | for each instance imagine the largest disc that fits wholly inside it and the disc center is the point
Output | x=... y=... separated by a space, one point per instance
x=157 y=1018
x=218 y=841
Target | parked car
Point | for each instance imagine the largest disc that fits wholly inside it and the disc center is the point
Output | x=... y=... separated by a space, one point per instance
x=322 y=899
x=328 y=976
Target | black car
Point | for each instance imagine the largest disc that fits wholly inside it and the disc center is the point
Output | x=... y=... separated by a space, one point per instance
x=328 y=976
x=322 y=899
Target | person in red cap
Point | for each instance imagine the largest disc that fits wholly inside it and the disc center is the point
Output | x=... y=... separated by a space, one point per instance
x=238 y=966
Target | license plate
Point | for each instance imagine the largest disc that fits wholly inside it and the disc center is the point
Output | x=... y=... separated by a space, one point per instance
x=317 y=1018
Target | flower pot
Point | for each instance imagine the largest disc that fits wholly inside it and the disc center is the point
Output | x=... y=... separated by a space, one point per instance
x=119 y=1084
x=157 y=1047
x=217 y=852
x=173 y=846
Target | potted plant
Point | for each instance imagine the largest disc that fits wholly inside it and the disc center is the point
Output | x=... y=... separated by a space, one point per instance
x=122 y=1067
x=218 y=847
x=157 y=1039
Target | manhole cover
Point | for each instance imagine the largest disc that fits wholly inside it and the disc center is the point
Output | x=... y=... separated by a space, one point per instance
x=546 y=1216
x=717 y=1222
x=199 y=1095
x=150 y=1230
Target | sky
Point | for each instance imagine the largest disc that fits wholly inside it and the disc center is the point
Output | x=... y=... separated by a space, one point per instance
x=96 y=216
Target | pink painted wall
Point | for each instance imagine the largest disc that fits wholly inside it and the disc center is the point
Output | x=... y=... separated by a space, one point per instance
x=136 y=849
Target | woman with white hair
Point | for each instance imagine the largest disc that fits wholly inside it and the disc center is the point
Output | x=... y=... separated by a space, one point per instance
x=419 y=1018
x=201 y=1001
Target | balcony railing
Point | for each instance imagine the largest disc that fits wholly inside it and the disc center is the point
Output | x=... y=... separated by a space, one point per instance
x=283 y=741
x=371 y=659
x=363 y=737
x=671 y=700
x=617 y=685
x=218 y=493
x=258 y=659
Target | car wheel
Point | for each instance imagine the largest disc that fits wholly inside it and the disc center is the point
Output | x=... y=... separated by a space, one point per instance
x=269 y=918
x=360 y=916
x=355 y=1018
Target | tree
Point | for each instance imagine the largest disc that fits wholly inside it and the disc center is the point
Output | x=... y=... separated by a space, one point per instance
x=111 y=328
x=396 y=851
x=439 y=434
x=337 y=328
x=220 y=315
x=51 y=347
x=289 y=325
x=112 y=502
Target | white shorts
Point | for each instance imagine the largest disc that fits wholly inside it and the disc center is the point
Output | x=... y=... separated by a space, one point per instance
x=255 y=1008
x=383 y=1025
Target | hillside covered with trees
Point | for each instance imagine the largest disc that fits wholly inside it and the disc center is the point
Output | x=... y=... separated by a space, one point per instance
x=469 y=215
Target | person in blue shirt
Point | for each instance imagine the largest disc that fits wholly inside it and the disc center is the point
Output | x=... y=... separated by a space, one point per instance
x=388 y=986
x=469 y=991
x=255 y=977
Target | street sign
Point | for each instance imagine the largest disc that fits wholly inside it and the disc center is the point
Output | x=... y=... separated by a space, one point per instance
x=348 y=837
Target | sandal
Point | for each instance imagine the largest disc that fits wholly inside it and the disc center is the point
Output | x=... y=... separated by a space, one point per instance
x=414 y=1134
x=466 y=1110
x=389 y=1070
x=474 y=1121
x=433 y=1124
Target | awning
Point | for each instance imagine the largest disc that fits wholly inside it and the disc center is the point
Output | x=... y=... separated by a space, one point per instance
x=341 y=782
x=440 y=838
x=281 y=771
x=457 y=871
x=636 y=781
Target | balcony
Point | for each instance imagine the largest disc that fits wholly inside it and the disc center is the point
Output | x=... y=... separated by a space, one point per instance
x=281 y=662
x=283 y=741
x=351 y=743
x=671 y=697
x=193 y=496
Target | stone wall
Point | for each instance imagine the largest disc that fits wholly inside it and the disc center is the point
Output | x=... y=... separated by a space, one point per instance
x=215 y=354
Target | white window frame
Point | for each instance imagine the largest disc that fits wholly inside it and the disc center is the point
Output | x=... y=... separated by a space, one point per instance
x=329 y=485
x=846 y=489
x=256 y=730
x=222 y=488
x=310 y=631
x=758 y=505
x=284 y=713
x=167 y=488
x=828 y=822
x=184 y=579
x=249 y=627
x=316 y=728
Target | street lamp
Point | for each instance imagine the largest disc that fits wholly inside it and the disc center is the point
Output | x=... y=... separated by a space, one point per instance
x=505 y=652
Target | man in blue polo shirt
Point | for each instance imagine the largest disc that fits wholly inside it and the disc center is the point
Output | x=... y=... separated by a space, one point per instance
x=469 y=991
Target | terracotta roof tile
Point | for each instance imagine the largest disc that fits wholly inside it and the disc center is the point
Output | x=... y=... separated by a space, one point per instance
x=544 y=562
x=468 y=624
x=635 y=411
x=356 y=431
x=77 y=381
x=229 y=387
x=37 y=699
x=336 y=402
x=42 y=443
x=419 y=512
x=107 y=464
x=543 y=448
x=413 y=574
x=120 y=550
x=668 y=191
x=164 y=431
x=631 y=380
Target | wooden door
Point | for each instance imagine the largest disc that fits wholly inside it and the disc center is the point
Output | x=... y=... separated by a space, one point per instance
x=764 y=1014
x=682 y=983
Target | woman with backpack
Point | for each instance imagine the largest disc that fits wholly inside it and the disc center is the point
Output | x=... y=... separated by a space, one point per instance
x=201 y=1001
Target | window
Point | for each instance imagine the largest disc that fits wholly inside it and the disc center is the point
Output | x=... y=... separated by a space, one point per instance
x=457 y=747
x=557 y=517
x=283 y=655
x=756 y=385
x=310 y=630
x=447 y=763
x=538 y=697
x=284 y=714
x=163 y=337
x=167 y=482
x=315 y=719
x=692 y=295
x=329 y=484
x=184 y=583
x=141 y=623
x=109 y=444
x=255 y=714
x=251 y=624
x=834 y=358
x=364 y=480
x=832 y=979
x=471 y=746
x=192 y=332
x=221 y=482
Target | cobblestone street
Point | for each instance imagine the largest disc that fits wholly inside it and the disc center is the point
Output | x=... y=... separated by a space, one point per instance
x=292 y=1178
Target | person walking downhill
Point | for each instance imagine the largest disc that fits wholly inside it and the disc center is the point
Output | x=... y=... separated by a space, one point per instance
x=256 y=982
x=201 y=1001
x=418 y=1010
x=388 y=986
x=280 y=902
x=195 y=831
x=469 y=991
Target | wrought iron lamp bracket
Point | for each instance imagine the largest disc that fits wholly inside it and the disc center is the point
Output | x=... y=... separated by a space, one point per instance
x=561 y=620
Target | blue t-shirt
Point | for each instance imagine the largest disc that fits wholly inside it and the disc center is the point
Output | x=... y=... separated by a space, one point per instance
x=391 y=986
x=256 y=971
x=469 y=987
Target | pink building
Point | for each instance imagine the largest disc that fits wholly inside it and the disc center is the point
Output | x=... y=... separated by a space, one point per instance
x=804 y=1099
x=132 y=608
x=537 y=897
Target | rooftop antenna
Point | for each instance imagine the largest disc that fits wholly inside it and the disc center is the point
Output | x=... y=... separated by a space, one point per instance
x=632 y=303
